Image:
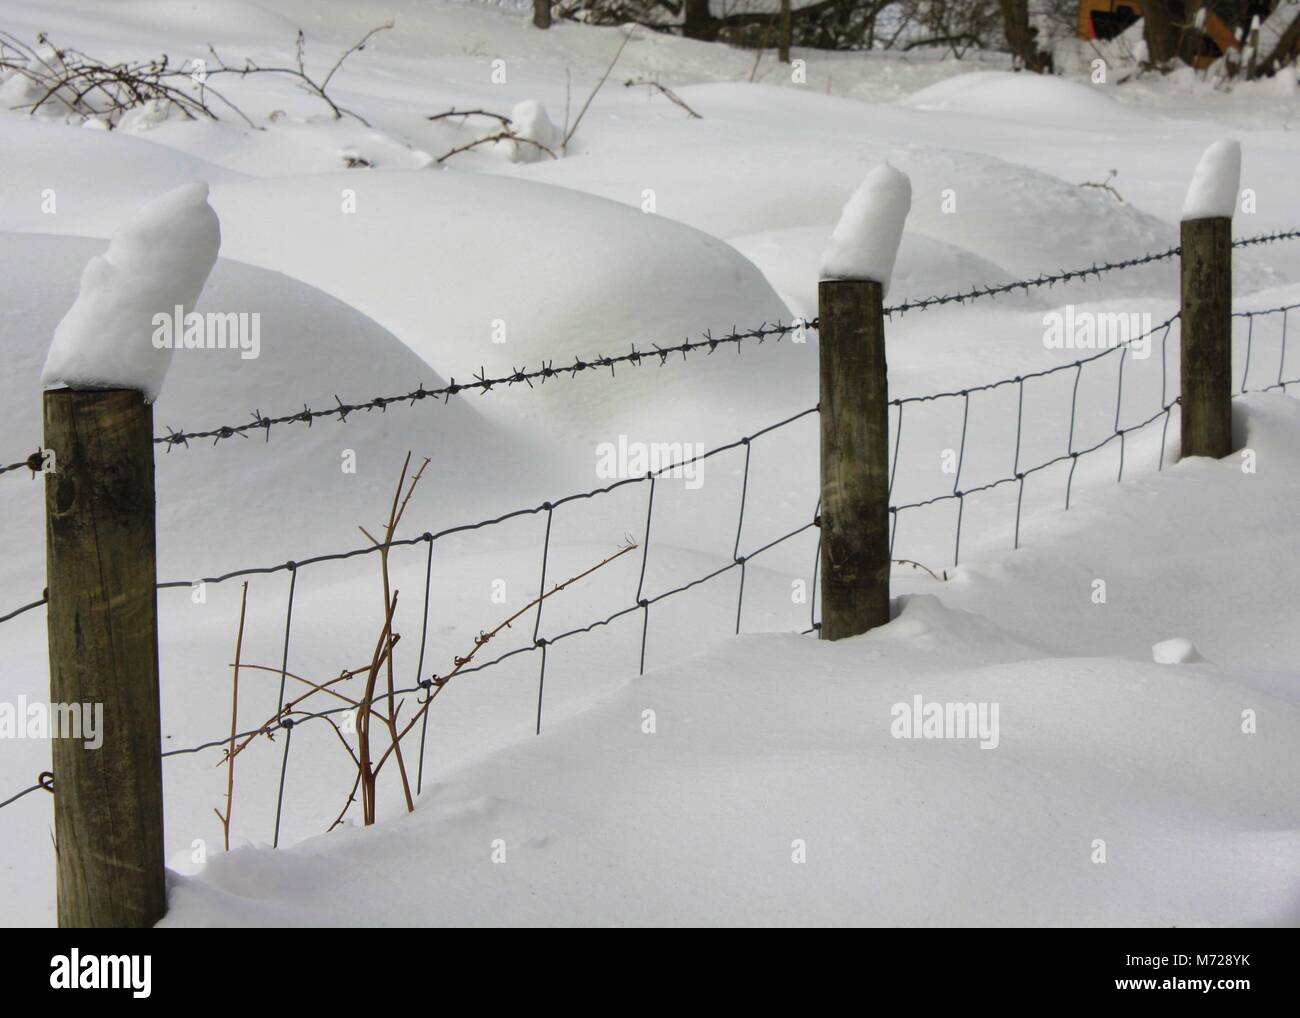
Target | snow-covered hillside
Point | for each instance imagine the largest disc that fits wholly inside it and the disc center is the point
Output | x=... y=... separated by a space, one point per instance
x=377 y=269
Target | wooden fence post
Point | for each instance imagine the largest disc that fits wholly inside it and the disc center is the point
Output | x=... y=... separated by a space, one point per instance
x=1206 y=358
x=103 y=638
x=854 y=458
x=542 y=13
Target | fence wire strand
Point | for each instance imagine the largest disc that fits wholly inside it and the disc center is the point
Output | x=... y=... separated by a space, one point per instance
x=288 y=720
x=635 y=356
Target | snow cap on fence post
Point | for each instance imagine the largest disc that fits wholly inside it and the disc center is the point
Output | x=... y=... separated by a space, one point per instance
x=156 y=262
x=1215 y=183
x=865 y=241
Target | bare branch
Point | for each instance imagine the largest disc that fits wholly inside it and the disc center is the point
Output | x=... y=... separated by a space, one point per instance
x=667 y=92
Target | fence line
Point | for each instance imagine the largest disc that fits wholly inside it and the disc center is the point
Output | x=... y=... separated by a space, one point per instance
x=856 y=580
x=32 y=463
x=1068 y=275
x=482 y=383
x=898 y=403
x=642 y=603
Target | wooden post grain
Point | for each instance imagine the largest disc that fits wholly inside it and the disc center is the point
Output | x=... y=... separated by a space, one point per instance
x=542 y=13
x=103 y=639
x=854 y=458
x=1206 y=361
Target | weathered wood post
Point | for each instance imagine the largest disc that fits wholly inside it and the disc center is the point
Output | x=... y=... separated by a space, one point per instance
x=1206 y=360
x=785 y=30
x=542 y=13
x=854 y=458
x=103 y=639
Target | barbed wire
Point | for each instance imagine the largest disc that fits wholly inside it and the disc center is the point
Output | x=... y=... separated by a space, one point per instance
x=483 y=383
x=1266 y=238
x=1069 y=275
x=963 y=393
x=1025 y=285
x=32 y=463
x=287 y=721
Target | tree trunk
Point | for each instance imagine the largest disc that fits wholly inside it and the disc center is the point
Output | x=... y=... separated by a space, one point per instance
x=542 y=13
x=1158 y=30
x=1190 y=39
x=785 y=27
x=1021 y=38
x=699 y=23
x=1283 y=48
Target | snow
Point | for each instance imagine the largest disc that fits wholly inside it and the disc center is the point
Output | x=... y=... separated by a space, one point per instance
x=654 y=227
x=769 y=741
x=155 y=265
x=311 y=341
x=1215 y=183
x=529 y=122
x=1284 y=82
x=1175 y=651
x=1026 y=98
x=865 y=241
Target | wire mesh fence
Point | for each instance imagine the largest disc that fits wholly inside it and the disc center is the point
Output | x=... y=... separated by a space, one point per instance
x=1265 y=328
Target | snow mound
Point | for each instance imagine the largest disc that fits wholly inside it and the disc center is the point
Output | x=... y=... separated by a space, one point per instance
x=477 y=272
x=1029 y=221
x=312 y=348
x=529 y=123
x=865 y=241
x=1215 y=183
x=1175 y=651
x=788 y=786
x=790 y=259
x=437 y=281
x=155 y=265
x=60 y=180
x=1031 y=97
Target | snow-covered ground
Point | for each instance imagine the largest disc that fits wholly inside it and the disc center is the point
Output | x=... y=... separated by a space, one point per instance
x=654 y=227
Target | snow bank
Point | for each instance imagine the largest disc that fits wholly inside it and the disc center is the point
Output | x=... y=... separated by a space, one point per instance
x=1026 y=97
x=530 y=123
x=156 y=262
x=494 y=272
x=606 y=824
x=865 y=241
x=1284 y=82
x=314 y=347
x=87 y=183
x=790 y=258
x=1213 y=190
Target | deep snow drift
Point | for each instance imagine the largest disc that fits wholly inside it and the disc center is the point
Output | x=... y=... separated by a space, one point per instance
x=765 y=786
x=654 y=227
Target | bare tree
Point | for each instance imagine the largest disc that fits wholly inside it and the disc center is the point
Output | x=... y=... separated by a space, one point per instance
x=1159 y=31
x=1022 y=38
x=698 y=22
